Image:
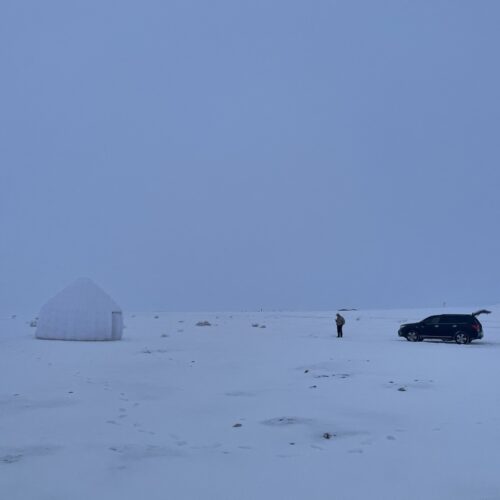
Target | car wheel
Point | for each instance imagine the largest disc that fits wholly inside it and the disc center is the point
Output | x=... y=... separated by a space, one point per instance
x=461 y=338
x=412 y=337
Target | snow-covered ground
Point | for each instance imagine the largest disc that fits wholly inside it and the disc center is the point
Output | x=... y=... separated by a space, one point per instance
x=234 y=411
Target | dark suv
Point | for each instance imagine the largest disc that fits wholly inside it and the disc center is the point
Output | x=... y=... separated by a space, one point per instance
x=462 y=328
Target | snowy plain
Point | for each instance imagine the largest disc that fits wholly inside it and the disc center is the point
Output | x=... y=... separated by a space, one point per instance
x=237 y=411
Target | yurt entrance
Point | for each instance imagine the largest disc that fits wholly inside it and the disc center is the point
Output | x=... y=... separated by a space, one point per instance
x=116 y=324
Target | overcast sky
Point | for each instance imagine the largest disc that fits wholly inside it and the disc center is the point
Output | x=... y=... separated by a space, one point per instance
x=236 y=155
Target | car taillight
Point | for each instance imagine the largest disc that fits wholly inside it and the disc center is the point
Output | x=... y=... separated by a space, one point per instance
x=475 y=326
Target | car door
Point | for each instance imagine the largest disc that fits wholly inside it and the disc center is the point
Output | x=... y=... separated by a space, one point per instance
x=448 y=326
x=455 y=324
x=431 y=327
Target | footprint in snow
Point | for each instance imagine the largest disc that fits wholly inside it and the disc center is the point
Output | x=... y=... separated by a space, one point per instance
x=245 y=394
x=285 y=421
x=13 y=455
x=140 y=452
x=10 y=459
x=415 y=384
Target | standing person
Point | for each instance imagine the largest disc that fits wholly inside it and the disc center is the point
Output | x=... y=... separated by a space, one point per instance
x=340 y=323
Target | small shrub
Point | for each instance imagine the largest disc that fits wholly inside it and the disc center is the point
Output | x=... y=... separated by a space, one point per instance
x=203 y=323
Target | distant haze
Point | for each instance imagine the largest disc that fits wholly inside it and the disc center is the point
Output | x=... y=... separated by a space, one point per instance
x=226 y=155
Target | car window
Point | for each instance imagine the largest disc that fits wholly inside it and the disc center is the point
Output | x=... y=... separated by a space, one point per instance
x=431 y=320
x=452 y=319
x=459 y=319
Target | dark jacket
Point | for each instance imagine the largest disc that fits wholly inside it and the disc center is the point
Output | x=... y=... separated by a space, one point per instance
x=339 y=320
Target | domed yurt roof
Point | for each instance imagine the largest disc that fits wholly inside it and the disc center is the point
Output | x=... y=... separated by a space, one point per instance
x=82 y=311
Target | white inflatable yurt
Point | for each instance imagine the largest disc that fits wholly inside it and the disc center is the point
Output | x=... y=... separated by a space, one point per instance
x=82 y=311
